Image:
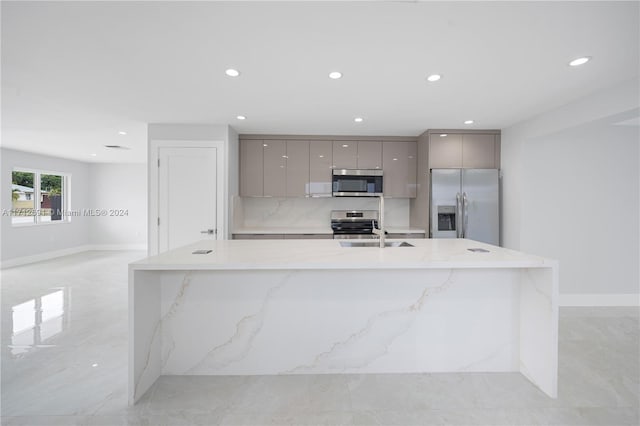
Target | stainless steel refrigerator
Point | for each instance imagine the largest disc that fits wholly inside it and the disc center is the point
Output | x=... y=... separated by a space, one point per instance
x=464 y=204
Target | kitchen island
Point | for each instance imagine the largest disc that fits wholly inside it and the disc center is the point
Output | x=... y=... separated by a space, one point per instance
x=315 y=307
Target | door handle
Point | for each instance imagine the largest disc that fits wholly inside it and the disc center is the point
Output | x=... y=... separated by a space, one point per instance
x=209 y=232
x=465 y=214
x=458 y=216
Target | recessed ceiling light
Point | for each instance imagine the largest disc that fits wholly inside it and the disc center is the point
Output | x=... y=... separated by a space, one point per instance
x=335 y=75
x=580 y=61
x=444 y=135
x=232 y=72
x=395 y=159
x=321 y=156
x=122 y=133
x=434 y=77
x=345 y=146
x=93 y=155
x=358 y=119
x=264 y=144
x=468 y=122
x=241 y=117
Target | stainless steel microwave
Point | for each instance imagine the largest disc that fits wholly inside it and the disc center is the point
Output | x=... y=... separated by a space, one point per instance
x=357 y=183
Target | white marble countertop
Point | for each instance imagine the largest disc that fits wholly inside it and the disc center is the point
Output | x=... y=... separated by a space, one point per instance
x=328 y=254
x=318 y=230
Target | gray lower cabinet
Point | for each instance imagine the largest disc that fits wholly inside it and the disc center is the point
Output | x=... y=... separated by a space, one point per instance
x=308 y=236
x=406 y=236
x=258 y=236
x=282 y=236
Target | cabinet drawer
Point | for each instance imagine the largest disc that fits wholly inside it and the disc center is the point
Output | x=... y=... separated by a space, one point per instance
x=258 y=236
x=406 y=236
x=308 y=236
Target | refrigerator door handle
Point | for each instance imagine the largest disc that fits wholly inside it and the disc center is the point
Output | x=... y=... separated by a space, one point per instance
x=465 y=214
x=458 y=216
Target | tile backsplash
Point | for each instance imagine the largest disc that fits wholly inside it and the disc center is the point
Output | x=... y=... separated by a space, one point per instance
x=311 y=212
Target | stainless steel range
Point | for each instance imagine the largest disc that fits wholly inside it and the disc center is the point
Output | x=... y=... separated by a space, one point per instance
x=354 y=224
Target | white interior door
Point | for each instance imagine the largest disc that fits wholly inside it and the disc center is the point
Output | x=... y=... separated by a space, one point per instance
x=187 y=196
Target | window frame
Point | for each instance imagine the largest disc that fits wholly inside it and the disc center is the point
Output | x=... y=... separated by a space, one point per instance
x=37 y=194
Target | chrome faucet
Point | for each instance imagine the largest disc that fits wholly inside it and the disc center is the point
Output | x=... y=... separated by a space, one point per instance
x=379 y=231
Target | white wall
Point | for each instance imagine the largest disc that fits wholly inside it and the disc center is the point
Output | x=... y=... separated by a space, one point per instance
x=572 y=193
x=200 y=132
x=45 y=239
x=119 y=187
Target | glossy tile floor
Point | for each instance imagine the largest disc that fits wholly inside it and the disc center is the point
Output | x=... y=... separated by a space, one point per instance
x=64 y=362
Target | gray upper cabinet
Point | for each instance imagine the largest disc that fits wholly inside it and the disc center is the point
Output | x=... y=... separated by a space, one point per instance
x=320 y=170
x=345 y=154
x=464 y=150
x=297 y=168
x=369 y=155
x=303 y=168
x=251 y=168
x=399 y=161
x=275 y=168
x=445 y=152
x=479 y=151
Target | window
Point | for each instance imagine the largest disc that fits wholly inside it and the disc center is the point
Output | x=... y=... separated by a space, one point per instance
x=38 y=197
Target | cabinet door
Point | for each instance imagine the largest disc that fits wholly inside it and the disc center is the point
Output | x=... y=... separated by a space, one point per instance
x=399 y=160
x=369 y=155
x=345 y=154
x=406 y=236
x=251 y=168
x=275 y=168
x=320 y=171
x=258 y=236
x=308 y=236
x=297 y=168
x=478 y=151
x=445 y=152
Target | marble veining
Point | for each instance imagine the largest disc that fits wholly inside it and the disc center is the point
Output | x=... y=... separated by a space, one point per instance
x=379 y=342
x=157 y=330
x=240 y=343
x=276 y=212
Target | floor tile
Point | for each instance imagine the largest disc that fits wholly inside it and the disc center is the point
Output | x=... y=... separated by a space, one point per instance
x=73 y=371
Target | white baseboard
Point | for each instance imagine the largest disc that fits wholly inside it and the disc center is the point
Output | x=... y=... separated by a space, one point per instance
x=43 y=256
x=66 y=252
x=142 y=246
x=632 y=299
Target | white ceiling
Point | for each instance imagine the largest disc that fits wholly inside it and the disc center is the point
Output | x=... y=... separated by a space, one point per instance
x=76 y=73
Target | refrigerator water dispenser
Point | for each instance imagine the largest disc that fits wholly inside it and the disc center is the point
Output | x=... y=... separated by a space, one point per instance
x=446 y=218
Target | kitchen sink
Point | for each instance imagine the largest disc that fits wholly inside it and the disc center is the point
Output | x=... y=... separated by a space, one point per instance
x=374 y=244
